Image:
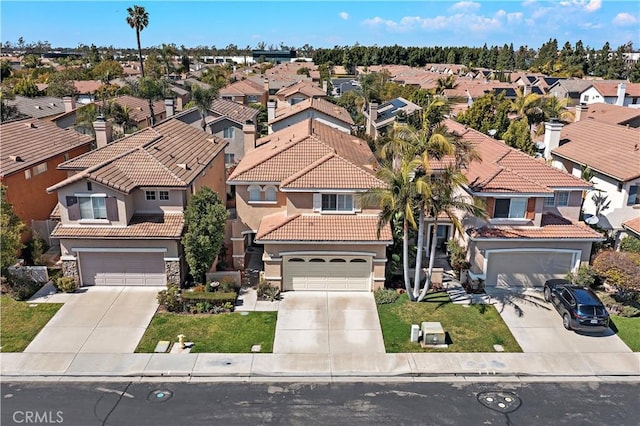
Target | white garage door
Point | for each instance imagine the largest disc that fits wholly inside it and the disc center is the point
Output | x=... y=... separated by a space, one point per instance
x=122 y=269
x=526 y=269
x=344 y=273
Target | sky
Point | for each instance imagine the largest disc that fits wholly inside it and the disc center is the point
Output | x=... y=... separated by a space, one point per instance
x=325 y=23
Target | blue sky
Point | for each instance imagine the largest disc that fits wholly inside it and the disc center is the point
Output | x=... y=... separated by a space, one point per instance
x=326 y=23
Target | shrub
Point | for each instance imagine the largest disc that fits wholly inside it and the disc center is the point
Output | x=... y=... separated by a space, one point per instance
x=200 y=288
x=384 y=296
x=585 y=277
x=268 y=292
x=34 y=250
x=212 y=285
x=66 y=284
x=209 y=302
x=457 y=256
x=228 y=284
x=170 y=298
x=619 y=269
x=630 y=244
x=22 y=286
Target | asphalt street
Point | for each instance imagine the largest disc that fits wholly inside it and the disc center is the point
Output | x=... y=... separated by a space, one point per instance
x=140 y=403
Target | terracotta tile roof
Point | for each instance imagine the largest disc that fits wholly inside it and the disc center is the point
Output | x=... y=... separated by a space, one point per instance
x=611 y=114
x=87 y=86
x=33 y=140
x=607 y=148
x=139 y=108
x=233 y=110
x=294 y=151
x=42 y=106
x=242 y=88
x=305 y=87
x=506 y=170
x=317 y=104
x=552 y=227
x=323 y=228
x=55 y=213
x=633 y=225
x=171 y=154
x=611 y=88
x=168 y=226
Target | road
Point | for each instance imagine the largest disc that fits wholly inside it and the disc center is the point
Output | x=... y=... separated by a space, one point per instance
x=427 y=403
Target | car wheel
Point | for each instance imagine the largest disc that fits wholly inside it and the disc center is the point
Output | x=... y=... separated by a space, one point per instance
x=547 y=294
x=566 y=321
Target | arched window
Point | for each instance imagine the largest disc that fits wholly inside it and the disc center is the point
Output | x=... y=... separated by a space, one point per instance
x=296 y=259
x=358 y=261
x=270 y=193
x=338 y=261
x=254 y=193
x=317 y=260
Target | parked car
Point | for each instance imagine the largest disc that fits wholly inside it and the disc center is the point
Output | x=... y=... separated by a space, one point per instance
x=579 y=307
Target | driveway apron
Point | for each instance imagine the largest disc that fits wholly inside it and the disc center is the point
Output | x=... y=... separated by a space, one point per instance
x=99 y=320
x=328 y=323
x=539 y=327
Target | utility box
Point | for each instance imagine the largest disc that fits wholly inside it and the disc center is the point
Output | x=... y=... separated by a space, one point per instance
x=433 y=335
x=415 y=333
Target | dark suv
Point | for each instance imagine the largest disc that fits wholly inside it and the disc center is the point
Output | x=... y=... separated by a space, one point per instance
x=579 y=307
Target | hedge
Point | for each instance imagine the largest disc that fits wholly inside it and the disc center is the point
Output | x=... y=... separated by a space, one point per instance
x=214 y=297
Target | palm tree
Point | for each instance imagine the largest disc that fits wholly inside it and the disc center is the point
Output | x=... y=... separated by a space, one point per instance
x=138 y=19
x=524 y=104
x=167 y=53
x=203 y=98
x=448 y=82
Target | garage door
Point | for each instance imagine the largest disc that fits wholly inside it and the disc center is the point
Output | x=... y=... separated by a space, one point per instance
x=122 y=269
x=526 y=269
x=345 y=273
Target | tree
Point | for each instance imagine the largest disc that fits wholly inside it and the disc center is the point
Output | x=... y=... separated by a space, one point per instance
x=59 y=87
x=634 y=73
x=151 y=90
x=167 y=53
x=26 y=87
x=11 y=229
x=31 y=62
x=518 y=135
x=202 y=99
x=7 y=112
x=138 y=19
x=5 y=69
x=107 y=71
x=205 y=220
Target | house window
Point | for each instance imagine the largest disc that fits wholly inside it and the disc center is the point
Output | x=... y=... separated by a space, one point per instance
x=270 y=193
x=252 y=98
x=89 y=186
x=296 y=100
x=633 y=195
x=254 y=193
x=227 y=133
x=93 y=207
x=40 y=168
x=561 y=199
x=150 y=195
x=27 y=174
x=550 y=201
x=586 y=98
x=337 y=202
x=229 y=158
x=227 y=98
x=164 y=195
x=510 y=208
x=66 y=156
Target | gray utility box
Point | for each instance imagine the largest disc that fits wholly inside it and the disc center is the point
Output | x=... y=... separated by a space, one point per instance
x=432 y=334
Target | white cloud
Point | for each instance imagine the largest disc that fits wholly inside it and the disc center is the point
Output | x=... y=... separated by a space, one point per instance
x=457 y=22
x=501 y=13
x=514 y=17
x=590 y=25
x=623 y=19
x=344 y=15
x=465 y=6
x=526 y=3
x=587 y=5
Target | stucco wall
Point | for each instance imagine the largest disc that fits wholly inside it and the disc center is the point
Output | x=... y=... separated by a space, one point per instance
x=310 y=113
x=250 y=214
x=125 y=207
x=157 y=206
x=214 y=177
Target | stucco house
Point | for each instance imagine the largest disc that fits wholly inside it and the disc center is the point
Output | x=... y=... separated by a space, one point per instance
x=282 y=116
x=122 y=205
x=32 y=149
x=380 y=117
x=296 y=196
x=298 y=92
x=246 y=92
x=620 y=93
x=532 y=232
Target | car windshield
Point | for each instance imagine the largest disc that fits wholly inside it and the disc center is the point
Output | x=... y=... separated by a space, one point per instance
x=592 y=310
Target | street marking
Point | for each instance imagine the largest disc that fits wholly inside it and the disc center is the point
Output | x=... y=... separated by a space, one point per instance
x=128 y=395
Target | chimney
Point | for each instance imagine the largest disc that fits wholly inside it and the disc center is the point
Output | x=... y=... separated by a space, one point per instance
x=552 y=130
x=580 y=110
x=526 y=89
x=371 y=120
x=271 y=110
x=169 y=107
x=325 y=86
x=622 y=89
x=249 y=131
x=69 y=103
x=265 y=86
x=103 y=131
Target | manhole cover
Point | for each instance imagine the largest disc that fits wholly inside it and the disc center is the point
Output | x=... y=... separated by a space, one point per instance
x=159 y=395
x=502 y=402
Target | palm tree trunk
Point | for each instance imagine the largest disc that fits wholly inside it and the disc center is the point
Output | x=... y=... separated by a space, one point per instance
x=405 y=257
x=152 y=118
x=416 y=281
x=140 y=52
x=432 y=258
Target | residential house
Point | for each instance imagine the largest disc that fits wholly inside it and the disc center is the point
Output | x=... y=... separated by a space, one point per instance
x=245 y=92
x=607 y=113
x=300 y=91
x=40 y=107
x=122 y=205
x=380 y=117
x=86 y=90
x=315 y=108
x=532 y=232
x=296 y=196
x=621 y=94
x=570 y=89
x=32 y=149
x=612 y=153
x=631 y=228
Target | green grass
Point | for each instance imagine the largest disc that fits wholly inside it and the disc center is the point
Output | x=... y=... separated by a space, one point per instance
x=628 y=331
x=473 y=329
x=21 y=323
x=222 y=333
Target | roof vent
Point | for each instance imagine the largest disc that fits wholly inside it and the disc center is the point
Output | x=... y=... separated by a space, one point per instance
x=30 y=125
x=184 y=166
x=37 y=107
x=16 y=158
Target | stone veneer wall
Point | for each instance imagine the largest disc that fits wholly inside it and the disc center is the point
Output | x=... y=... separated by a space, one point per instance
x=70 y=269
x=172 y=271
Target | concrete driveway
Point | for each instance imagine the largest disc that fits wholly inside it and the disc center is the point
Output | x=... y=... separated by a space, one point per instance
x=328 y=323
x=98 y=320
x=539 y=328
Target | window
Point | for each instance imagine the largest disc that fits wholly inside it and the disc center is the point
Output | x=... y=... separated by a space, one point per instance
x=150 y=195
x=227 y=98
x=550 y=201
x=66 y=156
x=270 y=194
x=40 y=168
x=317 y=260
x=254 y=193
x=27 y=174
x=252 y=98
x=93 y=207
x=229 y=158
x=227 y=133
x=633 y=195
x=89 y=186
x=586 y=98
x=338 y=261
x=296 y=259
x=164 y=195
x=510 y=208
x=296 y=100
x=562 y=199
x=337 y=202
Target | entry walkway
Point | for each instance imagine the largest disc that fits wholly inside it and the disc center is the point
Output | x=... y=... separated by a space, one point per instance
x=328 y=323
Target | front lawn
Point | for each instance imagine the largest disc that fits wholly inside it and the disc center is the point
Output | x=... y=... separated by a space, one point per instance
x=628 y=331
x=20 y=323
x=221 y=333
x=469 y=329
